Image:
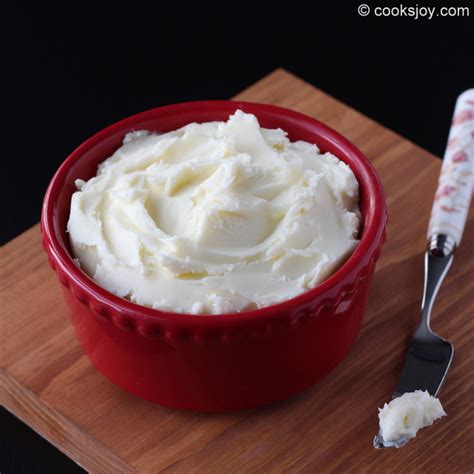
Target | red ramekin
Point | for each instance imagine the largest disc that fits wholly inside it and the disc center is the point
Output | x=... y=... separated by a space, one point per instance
x=216 y=362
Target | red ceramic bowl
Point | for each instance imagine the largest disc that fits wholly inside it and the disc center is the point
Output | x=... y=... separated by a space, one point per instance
x=216 y=362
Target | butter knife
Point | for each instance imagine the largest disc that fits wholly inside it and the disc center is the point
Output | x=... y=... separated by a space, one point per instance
x=429 y=355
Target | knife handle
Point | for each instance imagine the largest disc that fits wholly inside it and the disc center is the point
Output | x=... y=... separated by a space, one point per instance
x=455 y=185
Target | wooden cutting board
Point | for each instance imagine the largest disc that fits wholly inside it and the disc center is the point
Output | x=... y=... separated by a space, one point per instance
x=47 y=381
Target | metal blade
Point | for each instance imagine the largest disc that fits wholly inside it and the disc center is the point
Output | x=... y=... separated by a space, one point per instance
x=426 y=365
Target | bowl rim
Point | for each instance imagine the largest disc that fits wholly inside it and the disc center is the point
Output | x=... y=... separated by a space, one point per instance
x=369 y=243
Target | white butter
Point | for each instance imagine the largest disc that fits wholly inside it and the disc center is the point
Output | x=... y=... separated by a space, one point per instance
x=405 y=415
x=215 y=217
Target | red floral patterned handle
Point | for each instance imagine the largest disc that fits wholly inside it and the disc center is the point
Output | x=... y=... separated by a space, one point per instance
x=456 y=181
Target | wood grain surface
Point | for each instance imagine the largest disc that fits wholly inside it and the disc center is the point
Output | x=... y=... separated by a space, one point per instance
x=48 y=382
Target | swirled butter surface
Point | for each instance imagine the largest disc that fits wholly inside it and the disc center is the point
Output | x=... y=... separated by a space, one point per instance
x=215 y=217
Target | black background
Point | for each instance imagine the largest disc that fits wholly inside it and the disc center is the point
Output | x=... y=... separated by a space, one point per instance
x=70 y=72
